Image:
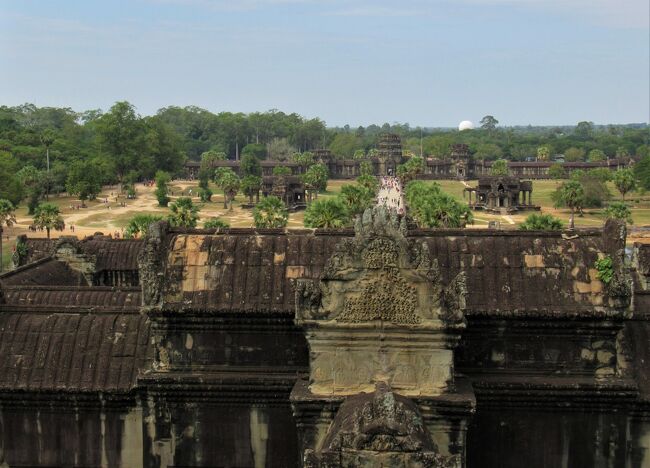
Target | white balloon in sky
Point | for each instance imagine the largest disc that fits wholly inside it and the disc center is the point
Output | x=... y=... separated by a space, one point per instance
x=465 y=125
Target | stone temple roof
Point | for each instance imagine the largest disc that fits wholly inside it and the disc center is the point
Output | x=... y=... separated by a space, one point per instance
x=77 y=352
x=247 y=270
x=111 y=254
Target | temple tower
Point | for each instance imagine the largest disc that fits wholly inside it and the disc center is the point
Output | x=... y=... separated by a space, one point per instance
x=381 y=328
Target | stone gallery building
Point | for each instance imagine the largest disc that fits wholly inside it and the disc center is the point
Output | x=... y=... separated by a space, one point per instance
x=501 y=194
x=458 y=164
x=375 y=346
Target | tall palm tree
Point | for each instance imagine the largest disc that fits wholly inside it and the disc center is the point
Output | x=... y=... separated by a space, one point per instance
x=7 y=218
x=47 y=216
x=270 y=213
x=571 y=194
x=330 y=213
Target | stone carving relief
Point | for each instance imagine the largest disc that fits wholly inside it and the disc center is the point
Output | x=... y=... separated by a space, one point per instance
x=381 y=275
x=379 y=427
x=380 y=313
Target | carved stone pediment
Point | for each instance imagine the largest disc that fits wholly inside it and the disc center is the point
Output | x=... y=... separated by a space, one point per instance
x=380 y=312
x=380 y=275
x=381 y=427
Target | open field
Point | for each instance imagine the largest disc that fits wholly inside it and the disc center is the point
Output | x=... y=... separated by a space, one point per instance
x=106 y=215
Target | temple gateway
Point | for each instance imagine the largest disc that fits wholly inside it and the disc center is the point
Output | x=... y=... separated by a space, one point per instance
x=380 y=345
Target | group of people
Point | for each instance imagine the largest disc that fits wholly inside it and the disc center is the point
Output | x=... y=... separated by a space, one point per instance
x=390 y=194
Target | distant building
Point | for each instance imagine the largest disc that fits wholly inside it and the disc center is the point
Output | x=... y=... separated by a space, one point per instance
x=459 y=164
x=501 y=194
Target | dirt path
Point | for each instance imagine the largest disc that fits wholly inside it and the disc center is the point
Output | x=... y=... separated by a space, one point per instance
x=390 y=194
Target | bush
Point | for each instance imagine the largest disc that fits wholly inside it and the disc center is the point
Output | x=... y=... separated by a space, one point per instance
x=215 y=223
x=541 y=222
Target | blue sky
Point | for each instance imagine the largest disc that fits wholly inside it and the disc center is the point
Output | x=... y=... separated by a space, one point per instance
x=430 y=63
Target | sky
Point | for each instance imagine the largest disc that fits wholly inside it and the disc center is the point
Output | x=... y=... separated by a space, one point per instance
x=426 y=62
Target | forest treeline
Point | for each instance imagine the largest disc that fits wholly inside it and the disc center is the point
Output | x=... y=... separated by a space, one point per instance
x=107 y=147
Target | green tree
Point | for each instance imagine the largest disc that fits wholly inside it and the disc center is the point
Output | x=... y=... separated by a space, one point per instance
x=250 y=166
x=556 y=171
x=305 y=159
x=208 y=158
x=543 y=153
x=316 y=178
x=619 y=210
x=572 y=195
x=229 y=183
x=541 y=222
x=365 y=168
x=488 y=152
x=279 y=149
x=601 y=173
x=121 y=133
x=574 y=154
x=251 y=186
x=215 y=223
x=32 y=182
x=499 y=168
x=622 y=152
x=255 y=149
x=11 y=187
x=596 y=155
x=139 y=224
x=432 y=208
x=270 y=213
x=641 y=171
x=183 y=213
x=205 y=194
x=584 y=130
x=359 y=155
x=330 y=213
x=357 y=198
x=410 y=169
x=370 y=182
x=489 y=123
x=344 y=145
x=84 y=180
x=624 y=181
x=281 y=171
x=48 y=216
x=161 y=192
x=7 y=218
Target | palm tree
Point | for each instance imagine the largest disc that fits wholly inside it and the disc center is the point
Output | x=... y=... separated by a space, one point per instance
x=571 y=194
x=624 y=181
x=229 y=182
x=183 y=213
x=47 y=216
x=7 y=218
x=330 y=213
x=139 y=224
x=270 y=213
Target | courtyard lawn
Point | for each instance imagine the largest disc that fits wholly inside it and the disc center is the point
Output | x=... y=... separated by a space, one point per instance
x=97 y=217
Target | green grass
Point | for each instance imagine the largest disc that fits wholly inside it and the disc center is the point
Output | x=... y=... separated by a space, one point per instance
x=7 y=252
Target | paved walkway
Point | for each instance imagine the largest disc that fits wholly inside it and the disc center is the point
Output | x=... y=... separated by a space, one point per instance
x=391 y=194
